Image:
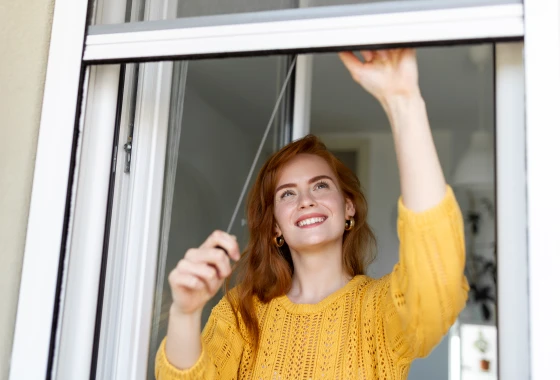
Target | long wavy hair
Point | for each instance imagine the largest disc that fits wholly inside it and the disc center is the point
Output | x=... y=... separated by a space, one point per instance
x=264 y=270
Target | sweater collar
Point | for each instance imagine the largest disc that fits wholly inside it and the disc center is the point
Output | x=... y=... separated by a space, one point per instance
x=296 y=308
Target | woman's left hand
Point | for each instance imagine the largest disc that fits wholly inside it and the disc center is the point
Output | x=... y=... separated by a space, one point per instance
x=384 y=73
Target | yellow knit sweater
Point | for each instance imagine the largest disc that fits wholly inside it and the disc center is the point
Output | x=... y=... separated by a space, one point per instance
x=369 y=329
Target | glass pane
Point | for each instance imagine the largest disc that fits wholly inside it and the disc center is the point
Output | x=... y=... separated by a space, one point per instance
x=226 y=106
x=422 y=3
x=189 y=8
x=261 y=10
x=220 y=110
x=457 y=84
x=135 y=9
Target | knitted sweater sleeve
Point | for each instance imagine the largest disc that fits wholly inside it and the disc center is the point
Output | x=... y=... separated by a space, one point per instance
x=222 y=346
x=427 y=288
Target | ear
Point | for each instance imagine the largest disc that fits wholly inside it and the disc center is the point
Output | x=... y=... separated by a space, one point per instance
x=350 y=209
x=277 y=230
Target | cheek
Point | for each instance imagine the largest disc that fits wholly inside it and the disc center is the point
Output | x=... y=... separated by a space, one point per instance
x=282 y=214
x=335 y=203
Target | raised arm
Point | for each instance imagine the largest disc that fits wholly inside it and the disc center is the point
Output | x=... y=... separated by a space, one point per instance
x=392 y=77
x=427 y=289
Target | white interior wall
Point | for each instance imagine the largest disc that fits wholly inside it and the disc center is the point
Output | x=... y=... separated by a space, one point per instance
x=25 y=27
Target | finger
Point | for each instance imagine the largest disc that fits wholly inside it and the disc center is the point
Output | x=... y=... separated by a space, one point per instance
x=352 y=63
x=408 y=52
x=186 y=266
x=187 y=281
x=399 y=55
x=395 y=56
x=223 y=240
x=213 y=257
x=367 y=54
x=218 y=260
x=204 y=272
x=382 y=55
x=191 y=282
x=221 y=264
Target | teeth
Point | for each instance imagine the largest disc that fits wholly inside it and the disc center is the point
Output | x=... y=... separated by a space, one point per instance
x=309 y=221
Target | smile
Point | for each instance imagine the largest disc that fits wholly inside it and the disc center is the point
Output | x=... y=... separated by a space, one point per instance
x=311 y=221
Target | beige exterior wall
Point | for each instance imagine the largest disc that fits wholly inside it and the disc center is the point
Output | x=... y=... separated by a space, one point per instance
x=25 y=28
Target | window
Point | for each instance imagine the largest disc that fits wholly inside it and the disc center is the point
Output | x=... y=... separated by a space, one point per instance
x=228 y=108
x=141 y=194
x=218 y=112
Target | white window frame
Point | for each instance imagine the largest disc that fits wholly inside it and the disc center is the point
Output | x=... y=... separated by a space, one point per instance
x=46 y=223
x=511 y=198
x=47 y=219
x=542 y=81
x=146 y=41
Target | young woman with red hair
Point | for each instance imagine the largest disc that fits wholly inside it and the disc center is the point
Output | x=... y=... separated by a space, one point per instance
x=303 y=307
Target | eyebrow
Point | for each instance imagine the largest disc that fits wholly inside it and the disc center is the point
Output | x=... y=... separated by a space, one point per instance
x=311 y=180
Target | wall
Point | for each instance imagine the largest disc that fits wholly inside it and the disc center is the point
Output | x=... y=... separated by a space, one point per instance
x=25 y=34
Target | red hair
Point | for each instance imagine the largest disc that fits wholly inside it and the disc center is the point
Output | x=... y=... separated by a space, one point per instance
x=264 y=270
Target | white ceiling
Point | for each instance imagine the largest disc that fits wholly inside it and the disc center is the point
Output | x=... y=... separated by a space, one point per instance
x=245 y=89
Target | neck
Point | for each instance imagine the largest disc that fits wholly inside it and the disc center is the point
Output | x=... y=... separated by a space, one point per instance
x=317 y=274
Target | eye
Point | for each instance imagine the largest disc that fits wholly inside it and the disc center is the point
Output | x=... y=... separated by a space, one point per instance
x=286 y=193
x=321 y=185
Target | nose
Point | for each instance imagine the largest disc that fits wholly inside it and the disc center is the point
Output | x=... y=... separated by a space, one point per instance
x=306 y=200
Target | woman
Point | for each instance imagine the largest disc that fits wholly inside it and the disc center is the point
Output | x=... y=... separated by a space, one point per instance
x=304 y=308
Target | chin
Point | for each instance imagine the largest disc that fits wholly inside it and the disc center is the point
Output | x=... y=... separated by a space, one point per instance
x=314 y=242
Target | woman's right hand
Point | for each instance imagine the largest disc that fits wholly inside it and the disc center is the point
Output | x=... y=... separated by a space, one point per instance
x=199 y=275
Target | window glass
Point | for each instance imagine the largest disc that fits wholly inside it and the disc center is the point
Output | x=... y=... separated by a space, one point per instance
x=412 y=3
x=220 y=111
x=258 y=9
x=227 y=105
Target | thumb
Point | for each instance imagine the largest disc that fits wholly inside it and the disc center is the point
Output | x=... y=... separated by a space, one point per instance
x=352 y=63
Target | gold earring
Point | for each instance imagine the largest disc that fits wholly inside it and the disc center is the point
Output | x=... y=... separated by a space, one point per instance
x=278 y=240
x=349 y=224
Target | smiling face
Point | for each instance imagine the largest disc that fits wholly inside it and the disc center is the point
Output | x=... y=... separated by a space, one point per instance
x=309 y=207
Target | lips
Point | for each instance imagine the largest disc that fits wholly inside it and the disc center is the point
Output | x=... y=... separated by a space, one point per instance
x=310 y=220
